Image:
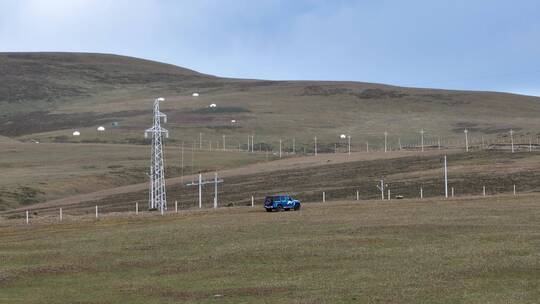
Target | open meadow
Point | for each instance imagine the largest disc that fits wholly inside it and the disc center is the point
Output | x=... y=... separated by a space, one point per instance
x=467 y=250
x=72 y=143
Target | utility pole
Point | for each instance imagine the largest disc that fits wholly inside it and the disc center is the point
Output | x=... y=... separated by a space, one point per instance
x=201 y=183
x=399 y=143
x=200 y=141
x=215 y=190
x=158 y=198
x=466 y=140
x=249 y=142
x=193 y=159
x=512 y=139
x=315 y=145
x=349 y=138
x=482 y=142
x=422 y=133
x=381 y=187
x=445 y=178
x=385 y=141
x=200 y=191
x=280 y=148
x=182 y=164
x=294 y=145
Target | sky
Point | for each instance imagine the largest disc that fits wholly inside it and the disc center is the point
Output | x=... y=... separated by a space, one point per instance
x=489 y=45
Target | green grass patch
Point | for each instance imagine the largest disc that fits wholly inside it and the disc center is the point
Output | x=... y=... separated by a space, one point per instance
x=466 y=251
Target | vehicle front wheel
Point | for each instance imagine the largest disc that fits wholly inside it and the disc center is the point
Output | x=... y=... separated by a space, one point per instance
x=296 y=207
x=268 y=210
x=279 y=208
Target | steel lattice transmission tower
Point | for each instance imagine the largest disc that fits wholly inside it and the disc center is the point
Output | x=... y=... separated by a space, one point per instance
x=157 y=197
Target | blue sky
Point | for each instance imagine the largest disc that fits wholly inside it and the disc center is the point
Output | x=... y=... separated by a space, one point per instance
x=458 y=44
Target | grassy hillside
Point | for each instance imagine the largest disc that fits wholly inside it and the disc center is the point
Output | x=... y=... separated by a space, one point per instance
x=34 y=173
x=45 y=96
x=339 y=175
x=453 y=251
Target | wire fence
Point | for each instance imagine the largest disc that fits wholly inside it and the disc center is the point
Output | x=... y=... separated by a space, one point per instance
x=347 y=144
x=337 y=184
x=394 y=192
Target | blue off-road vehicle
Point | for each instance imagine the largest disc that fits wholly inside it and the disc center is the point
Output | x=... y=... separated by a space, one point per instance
x=280 y=203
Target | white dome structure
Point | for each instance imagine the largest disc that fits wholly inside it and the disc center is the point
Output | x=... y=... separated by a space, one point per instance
x=101 y=128
x=343 y=136
x=195 y=94
x=213 y=105
x=76 y=133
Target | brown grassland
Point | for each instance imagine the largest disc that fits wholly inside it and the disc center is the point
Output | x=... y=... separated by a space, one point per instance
x=467 y=250
x=464 y=249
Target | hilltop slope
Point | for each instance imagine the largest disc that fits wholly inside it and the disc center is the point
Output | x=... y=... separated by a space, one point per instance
x=48 y=77
x=46 y=95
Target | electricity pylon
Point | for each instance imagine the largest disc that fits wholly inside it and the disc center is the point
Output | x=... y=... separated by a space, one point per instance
x=158 y=197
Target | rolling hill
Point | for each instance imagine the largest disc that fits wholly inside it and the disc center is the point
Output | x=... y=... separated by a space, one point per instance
x=479 y=245
x=44 y=96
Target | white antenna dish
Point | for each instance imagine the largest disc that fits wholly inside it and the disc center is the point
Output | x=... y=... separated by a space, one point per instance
x=213 y=105
x=161 y=99
x=195 y=94
x=343 y=136
x=76 y=133
x=101 y=128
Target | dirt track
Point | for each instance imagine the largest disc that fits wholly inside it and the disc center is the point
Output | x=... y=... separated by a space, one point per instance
x=292 y=163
